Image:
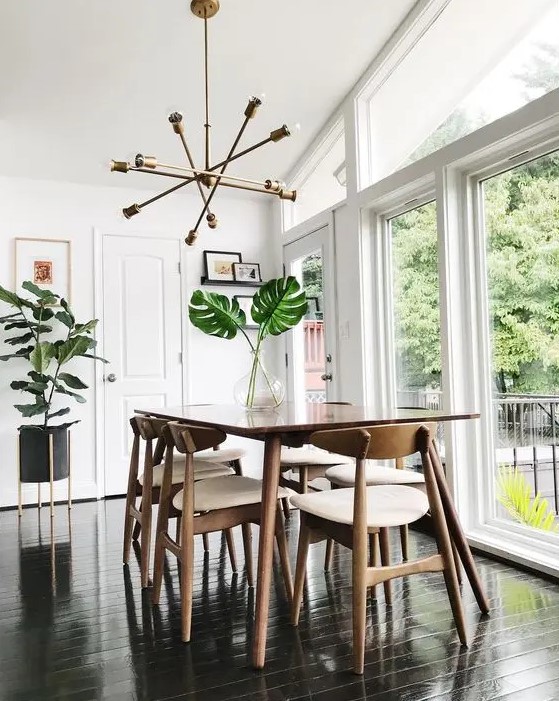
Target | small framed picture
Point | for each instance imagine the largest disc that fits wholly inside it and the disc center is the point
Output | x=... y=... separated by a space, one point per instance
x=247 y=272
x=245 y=303
x=46 y=263
x=219 y=265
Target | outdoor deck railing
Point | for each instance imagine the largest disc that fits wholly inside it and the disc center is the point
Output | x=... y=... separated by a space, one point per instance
x=527 y=434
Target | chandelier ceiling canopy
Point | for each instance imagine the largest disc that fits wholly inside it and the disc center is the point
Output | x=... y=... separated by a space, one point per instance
x=212 y=175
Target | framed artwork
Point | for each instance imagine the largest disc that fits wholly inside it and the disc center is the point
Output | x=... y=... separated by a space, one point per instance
x=247 y=272
x=46 y=262
x=218 y=265
x=245 y=303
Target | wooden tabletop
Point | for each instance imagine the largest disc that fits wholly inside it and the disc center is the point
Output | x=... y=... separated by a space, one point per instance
x=291 y=418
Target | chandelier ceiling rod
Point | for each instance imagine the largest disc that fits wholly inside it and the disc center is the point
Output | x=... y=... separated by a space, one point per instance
x=210 y=177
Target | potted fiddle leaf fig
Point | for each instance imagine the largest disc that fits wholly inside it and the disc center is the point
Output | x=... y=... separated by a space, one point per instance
x=278 y=306
x=46 y=337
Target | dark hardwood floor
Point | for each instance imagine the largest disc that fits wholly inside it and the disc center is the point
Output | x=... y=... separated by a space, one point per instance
x=75 y=625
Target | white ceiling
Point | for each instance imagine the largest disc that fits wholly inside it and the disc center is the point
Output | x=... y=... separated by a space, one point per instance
x=84 y=81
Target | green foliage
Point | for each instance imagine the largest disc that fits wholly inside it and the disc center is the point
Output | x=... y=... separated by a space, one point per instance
x=278 y=306
x=514 y=495
x=46 y=353
x=215 y=314
x=522 y=226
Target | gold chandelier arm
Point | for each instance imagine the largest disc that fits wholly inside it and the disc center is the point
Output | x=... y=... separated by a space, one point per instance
x=276 y=135
x=211 y=174
x=164 y=173
x=136 y=208
x=175 y=119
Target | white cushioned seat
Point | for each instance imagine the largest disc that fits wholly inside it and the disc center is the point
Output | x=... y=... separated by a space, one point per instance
x=388 y=505
x=221 y=455
x=344 y=475
x=225 y=492
x=202 y=470
x=294 y=457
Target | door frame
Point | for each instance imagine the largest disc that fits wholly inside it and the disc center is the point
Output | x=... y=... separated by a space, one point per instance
x=98 y=292
x=324 y=220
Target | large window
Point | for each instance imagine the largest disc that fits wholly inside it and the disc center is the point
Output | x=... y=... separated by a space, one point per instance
x=521 y=213
x=527 y=72
x=478 y=61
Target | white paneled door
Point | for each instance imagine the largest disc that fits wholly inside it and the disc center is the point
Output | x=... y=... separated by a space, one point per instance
x=141 y=338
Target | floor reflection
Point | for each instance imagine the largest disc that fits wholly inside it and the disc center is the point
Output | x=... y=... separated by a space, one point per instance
x=75 y=624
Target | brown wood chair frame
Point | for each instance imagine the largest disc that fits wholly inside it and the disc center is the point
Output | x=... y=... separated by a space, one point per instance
x=379 y=443
x=187 y=440
x=138 y=521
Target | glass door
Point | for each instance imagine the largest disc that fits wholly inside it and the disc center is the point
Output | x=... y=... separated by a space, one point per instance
x=311 y=353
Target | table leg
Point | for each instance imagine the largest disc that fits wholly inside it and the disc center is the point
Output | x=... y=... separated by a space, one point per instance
x=457 y=534
x=270 y=483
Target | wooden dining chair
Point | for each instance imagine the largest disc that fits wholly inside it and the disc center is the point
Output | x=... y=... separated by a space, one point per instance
x=147 y=486
x=206 y=507
x=341 y=476
x=349 y=516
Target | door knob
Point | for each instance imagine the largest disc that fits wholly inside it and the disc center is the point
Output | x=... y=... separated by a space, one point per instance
x=111 y=377
x=327 y=377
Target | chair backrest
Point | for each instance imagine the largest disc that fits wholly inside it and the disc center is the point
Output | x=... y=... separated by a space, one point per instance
x=191 y=439
x=392 y=441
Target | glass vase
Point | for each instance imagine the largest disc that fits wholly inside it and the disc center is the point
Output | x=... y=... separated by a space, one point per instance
x=259 y=389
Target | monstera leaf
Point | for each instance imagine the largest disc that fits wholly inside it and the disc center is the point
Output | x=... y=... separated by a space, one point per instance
x=278 y=306
x=215 y=314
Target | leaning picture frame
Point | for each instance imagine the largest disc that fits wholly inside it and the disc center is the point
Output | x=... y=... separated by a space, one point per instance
x=218 y=265
x=247 y=272
x=245 y=303
x=45 y=262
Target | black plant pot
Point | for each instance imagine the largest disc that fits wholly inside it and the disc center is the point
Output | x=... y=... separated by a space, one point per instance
x=34 y=453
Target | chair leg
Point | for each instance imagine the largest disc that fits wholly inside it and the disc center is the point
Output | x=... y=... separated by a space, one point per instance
x=128 y=527
x=231 y=548
x=178 y=531
x=284 y=556
x=328 y=555
x=247 y=545
x=373 y=556
x=236 y=465
x=457 y=563
x=186 y=581
x=359 y=615
x=404 y=542
x=285 y=507
x=145 y=545
x=329 y=545
x=206 y=542
x=384 y=543
x=137 y=526
x=300 y=570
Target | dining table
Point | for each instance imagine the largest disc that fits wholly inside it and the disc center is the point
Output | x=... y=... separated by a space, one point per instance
x=291 y=424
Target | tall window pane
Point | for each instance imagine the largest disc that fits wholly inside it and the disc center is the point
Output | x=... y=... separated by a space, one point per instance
x=522 y=233
x=417 y=326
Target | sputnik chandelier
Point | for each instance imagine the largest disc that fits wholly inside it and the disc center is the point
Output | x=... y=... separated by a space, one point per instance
x=211 y=176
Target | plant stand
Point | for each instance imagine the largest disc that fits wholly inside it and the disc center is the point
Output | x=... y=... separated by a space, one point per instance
x=51 y=475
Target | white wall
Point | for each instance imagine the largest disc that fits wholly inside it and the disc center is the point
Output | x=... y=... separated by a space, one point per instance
x=45 y=209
